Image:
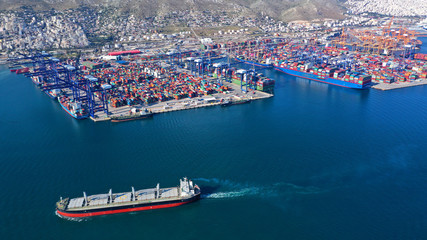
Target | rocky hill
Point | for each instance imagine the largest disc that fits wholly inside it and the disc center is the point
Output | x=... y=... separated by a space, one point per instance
x=285 y=10
x=289 y=10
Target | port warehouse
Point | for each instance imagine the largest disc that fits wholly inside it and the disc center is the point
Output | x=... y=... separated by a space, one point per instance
x=127 y=83
x=139 y=79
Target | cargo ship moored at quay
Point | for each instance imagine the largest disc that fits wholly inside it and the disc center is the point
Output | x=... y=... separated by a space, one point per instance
x=146 y=199
x=331 y=76
x=74 y=109
x=347 y=81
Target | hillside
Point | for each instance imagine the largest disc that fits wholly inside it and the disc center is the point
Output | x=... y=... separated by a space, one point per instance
x=285 y=10
x=289 y=10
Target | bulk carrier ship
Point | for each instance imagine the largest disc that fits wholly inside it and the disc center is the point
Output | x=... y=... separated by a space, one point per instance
x=146 y=199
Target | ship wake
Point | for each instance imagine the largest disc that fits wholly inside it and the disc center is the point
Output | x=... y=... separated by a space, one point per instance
x=233 y=194
x=217 y=189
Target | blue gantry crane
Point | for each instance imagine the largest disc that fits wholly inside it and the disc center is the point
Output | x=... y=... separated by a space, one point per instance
x=55 y=75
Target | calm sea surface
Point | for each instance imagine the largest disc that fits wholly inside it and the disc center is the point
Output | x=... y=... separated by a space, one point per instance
x=315 y=162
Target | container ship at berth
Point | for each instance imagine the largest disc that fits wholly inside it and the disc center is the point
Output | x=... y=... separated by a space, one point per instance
x=146 y=199
x=74 y=109
x=332 y=76
x=329 y=75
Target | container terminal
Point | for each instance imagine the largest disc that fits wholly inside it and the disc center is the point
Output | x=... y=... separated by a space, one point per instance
x=339 y=66
x=132 y=85
x=383 y=59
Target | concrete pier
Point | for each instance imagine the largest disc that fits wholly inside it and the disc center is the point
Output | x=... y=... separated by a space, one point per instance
x=185 y=104
x=397 y=85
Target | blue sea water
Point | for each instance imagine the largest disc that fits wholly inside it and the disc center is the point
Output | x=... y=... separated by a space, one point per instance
x=316 y=161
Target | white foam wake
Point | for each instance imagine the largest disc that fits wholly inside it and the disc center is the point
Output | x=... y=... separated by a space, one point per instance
x=233 y=194
x=238 y=190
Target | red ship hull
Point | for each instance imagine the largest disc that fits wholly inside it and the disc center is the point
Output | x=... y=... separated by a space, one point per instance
x=132 y=208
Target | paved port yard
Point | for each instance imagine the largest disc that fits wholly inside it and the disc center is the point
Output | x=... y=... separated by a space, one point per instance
x=187 y=103
x=397 y=85
x=234 y=93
